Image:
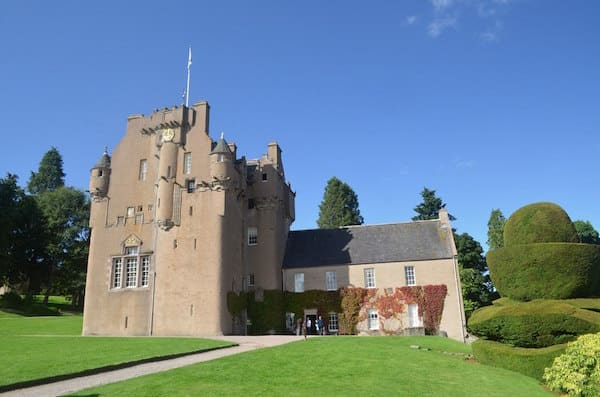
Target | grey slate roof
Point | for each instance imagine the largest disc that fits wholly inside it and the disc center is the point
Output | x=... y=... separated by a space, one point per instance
x=221 y=147
x=103 y=161
x=397 y=242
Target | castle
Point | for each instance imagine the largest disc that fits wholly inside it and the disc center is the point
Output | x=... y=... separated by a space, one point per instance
x=178 y=221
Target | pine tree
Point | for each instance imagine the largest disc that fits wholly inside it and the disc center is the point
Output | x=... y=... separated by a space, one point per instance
x=430 y=207
x=50 y=175
x=339 y=206
x=496 y=230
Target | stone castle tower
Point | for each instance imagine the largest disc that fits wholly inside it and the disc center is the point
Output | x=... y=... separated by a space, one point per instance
x=178 y=221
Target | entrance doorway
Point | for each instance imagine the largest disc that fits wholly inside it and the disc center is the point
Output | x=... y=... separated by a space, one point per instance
x=312 y=315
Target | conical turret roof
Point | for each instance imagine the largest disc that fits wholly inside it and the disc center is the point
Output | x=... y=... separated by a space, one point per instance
x=221 y=147
x=104 y=160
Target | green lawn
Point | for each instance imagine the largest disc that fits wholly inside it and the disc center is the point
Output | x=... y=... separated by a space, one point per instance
x=348 y=366
x=40 y=347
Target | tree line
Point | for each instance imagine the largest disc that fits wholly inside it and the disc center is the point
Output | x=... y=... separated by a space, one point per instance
x=44 y=233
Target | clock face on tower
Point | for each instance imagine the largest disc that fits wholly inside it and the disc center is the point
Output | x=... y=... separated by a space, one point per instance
x=168 y=134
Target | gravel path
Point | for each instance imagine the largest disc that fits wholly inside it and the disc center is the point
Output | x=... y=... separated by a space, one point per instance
x=246 y=343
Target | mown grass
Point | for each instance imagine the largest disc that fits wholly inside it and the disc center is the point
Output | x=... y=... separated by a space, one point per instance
x=42 y=347
x=348 y=366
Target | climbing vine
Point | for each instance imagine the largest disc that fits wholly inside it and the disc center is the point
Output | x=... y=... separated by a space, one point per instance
x=430 y=299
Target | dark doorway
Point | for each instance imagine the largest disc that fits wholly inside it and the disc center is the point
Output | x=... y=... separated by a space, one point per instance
x=313 y=328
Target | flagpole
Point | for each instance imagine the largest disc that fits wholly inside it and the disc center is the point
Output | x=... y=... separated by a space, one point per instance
x=187 y=89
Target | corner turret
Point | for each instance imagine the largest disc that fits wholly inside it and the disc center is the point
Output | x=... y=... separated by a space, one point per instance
x=221 y=160
x=99 y=177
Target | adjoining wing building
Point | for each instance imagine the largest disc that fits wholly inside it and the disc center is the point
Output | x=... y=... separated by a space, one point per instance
x=179 y=220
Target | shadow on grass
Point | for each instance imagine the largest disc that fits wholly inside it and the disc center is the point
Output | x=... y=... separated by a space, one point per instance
x=107 y=368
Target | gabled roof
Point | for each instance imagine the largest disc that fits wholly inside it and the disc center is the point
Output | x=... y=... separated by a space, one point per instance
x=397 y=242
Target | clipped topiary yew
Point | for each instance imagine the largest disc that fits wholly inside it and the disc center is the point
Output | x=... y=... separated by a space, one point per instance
x=546 y=271
x=539 y=223
x=539 y=323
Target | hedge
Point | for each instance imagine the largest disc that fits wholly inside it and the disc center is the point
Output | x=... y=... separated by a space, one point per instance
x=530 y=362
x=540 y=323
x=539 y=223
x=546 y=271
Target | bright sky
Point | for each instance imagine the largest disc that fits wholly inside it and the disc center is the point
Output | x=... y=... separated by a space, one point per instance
x=492 y=103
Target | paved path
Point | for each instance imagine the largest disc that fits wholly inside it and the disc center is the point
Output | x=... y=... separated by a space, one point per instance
x=246 y=343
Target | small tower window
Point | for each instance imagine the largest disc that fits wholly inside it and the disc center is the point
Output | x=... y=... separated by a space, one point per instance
x=187 y=163
x=143 y=170
x=100 y=172
x=252 y=236
x=190 y=185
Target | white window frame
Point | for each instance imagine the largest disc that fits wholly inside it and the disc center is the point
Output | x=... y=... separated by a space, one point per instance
x=331 y=281
x=145 y=271
x=373 y=318
x=117 y=273
x=252 y=235
x=370 y=278
x=409 y=275
x=131 y=271
x=187 y=163
x=298 y=282
x=143 y=170
x=332 y=326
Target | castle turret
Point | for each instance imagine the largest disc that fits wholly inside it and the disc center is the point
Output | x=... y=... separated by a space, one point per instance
x=222 y=161
x=167 y=166
x=100 y=175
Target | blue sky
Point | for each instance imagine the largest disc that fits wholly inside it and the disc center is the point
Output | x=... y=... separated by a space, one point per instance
x=492 y=103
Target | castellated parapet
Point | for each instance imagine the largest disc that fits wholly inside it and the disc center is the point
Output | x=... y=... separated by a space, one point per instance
x=177 y=222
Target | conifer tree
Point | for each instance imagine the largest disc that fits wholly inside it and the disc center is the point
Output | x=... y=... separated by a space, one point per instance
x=50 y=175
x=339 y=206
x=496 y=230
x=430 y=207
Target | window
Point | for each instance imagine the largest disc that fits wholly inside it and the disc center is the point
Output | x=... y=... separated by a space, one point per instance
x=370 y=278
x=130 y=212
x=187 y=163
x=409 y=274
x=190 y=185
x=290 y=322
x=220 y=158
x=299 y=282
x=120 y=220
x=131 y=272
x=251 y=204
x=331 y=281
x=333 y=322
x=100 y=173
x=117 y=272
x=373 y=319
x=139 y=218
x=131 y=269
x=251 y=280
x=252 y=236
x=145 y=271
x=264 y=177
x=143 y=170
x=413 y=315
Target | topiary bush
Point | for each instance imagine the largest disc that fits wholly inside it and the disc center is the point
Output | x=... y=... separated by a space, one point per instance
x=534 y=324
x=577 y=371
x=546 y=271
x=539 y=223
x=530 y=362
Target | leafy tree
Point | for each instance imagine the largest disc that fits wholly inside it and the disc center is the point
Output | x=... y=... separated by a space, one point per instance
x=339 y=206
x=50 y=175
x=586 y=232
x=430 y=207
x=66 y=212
x=477 y=289
x=22 y=236
x=496 y=230
x=470 y=252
